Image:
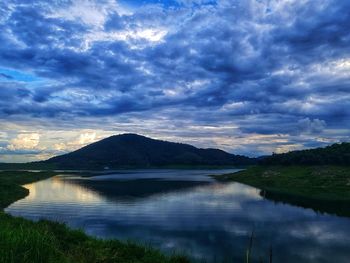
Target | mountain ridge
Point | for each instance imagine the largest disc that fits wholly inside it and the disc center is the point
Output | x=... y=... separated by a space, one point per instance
x=133 y=150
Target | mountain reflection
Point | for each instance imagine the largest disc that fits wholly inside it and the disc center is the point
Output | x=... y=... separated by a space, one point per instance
x=204 y=219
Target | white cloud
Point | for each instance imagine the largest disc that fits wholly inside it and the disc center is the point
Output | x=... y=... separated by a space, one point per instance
x=89 y=12
x=26 y=141
x=311 y=126
x=61 y=147
x=151 y=35
x=288 y=148
x=3 y=135
x=95 y=14
x=86 y=138
x=82 y=140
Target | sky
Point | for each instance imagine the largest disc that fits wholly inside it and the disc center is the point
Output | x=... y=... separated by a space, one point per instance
x=250 y=77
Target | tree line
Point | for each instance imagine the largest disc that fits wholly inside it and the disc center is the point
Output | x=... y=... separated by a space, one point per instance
x=336 y=154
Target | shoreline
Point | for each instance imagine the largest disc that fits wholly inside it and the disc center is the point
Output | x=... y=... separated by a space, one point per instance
x=325 y=189
x=47 y=241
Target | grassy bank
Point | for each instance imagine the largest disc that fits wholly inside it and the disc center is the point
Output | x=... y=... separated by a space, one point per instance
x=328 y=183
x=10 y=185
x=325 y=189
x=24 y=241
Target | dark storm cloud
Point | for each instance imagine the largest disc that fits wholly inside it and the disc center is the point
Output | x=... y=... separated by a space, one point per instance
x=317 y=27
x=268 y=66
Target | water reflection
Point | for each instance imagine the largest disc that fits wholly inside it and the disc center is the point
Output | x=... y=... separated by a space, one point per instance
x=205 y=219
x=340 y=208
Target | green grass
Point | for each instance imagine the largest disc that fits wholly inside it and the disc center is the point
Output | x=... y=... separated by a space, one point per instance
x=44 y=241
x=25 y=241
x=325 y=189
x=10 y=181
x=329 y=183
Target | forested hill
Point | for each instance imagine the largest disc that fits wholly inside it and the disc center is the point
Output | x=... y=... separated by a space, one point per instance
x=336 y=154
x=132 y=150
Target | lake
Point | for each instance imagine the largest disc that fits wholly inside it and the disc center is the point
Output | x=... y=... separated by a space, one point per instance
x=188 y=212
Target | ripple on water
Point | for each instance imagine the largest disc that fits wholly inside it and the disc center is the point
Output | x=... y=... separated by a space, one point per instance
x=201 y=217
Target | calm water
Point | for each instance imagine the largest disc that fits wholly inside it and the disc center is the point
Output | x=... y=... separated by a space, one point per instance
x=188 y=212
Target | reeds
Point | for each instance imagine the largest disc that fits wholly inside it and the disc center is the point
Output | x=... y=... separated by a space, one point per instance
x=250 y=248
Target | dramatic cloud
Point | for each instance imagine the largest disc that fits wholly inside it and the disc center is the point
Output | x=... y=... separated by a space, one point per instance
x=250 y=77
x=24 y=142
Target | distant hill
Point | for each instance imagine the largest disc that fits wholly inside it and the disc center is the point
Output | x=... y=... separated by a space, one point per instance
x=132 y=150
x=135 y=151
x=336 y=154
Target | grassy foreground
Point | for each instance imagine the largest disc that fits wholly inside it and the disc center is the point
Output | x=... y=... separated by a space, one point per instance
x=24 y=241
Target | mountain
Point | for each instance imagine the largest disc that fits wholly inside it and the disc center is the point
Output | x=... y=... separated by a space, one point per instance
x=132 y=150
x=336 y=154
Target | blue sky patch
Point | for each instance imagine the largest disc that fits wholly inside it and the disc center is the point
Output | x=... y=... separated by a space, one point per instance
x=14 y=75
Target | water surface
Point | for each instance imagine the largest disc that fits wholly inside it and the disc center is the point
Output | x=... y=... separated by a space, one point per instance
x=188 y=212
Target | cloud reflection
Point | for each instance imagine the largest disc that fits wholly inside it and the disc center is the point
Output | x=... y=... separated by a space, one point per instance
x=206 y=221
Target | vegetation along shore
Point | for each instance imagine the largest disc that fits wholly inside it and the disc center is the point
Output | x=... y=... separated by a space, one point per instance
x=297 y=178
x=323 y=188
x=24 y=241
